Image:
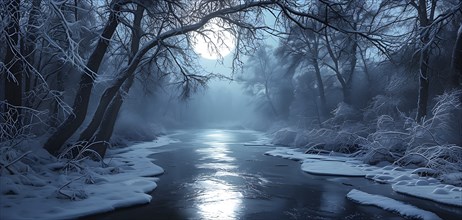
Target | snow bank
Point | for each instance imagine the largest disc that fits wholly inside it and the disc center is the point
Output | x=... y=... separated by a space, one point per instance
x=406 y=181
x=446 y=194
x=321 y=164
x=66 y=189
x=389 y=204
x=321 y=167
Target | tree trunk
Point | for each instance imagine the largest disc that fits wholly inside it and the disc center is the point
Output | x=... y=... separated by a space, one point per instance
x=28 y=48
x=133 y=64
x=424 y=82
x=457 y=61
x=95 y=122
x=270 y=102
x=110 y=92
x=104 y=133
x=336 y=69
x=82 y=98
x=347 y=90
x=320 y=85
x=12 y=61
x=55 y=114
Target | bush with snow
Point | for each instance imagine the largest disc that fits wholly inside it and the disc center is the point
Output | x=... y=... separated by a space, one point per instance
x=433 y=143
x=379 y=138
x=344 y=113
x=285 y=137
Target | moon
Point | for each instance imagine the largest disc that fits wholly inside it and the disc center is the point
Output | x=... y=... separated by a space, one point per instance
x=213 y=41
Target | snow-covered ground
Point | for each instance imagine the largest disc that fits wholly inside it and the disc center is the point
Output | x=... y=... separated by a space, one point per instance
x=34 y=188
x=389 y=204
x=406 y=181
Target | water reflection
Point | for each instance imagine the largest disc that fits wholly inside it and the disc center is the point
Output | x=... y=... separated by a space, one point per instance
x=217 y=196
x=331 y=200
x=218 y=152
x=219 y=200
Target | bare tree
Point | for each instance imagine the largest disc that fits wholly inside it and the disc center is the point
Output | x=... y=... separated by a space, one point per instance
x=28 y=46
x=12 y=70
x=80 y=106
x=304 y=46
x=429 y=23
x=264 y=74
x=106 y=121
x=179 y=29
x=457 y=60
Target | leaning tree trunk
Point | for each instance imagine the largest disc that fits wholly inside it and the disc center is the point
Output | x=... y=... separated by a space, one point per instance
x=104 y=133
x=12 y=62
x=82 y=98
x=110 y=92
x=133 y=65
x=106 y=121
x=104 y=102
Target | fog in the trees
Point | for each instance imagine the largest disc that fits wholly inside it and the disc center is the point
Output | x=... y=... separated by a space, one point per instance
x=378 y=82
x=97 y=72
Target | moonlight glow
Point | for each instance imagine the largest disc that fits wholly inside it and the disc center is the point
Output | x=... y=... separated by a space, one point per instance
x=214 y=41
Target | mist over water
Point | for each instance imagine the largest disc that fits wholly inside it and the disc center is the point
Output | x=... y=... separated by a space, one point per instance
x=222 y=105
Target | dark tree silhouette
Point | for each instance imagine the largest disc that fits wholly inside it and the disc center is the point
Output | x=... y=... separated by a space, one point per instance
x=82 y=98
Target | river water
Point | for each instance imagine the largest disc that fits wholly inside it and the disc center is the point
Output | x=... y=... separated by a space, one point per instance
x=216 y=174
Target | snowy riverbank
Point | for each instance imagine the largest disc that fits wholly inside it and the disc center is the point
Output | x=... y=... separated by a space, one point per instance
x=42 y=187
x=405 y=181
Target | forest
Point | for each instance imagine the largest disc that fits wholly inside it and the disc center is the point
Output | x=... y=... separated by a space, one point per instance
x=376 y=80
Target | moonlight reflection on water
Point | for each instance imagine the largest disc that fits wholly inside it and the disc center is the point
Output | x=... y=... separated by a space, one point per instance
x=217 y=197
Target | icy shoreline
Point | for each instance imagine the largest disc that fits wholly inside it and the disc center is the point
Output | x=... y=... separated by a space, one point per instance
x=405 y=181
x=54 y=191
x=389 y=204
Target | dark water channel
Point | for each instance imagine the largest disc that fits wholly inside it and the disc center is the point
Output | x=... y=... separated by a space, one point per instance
x=211 y=174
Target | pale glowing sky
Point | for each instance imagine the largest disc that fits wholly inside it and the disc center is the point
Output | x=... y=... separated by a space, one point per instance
x=214 y=45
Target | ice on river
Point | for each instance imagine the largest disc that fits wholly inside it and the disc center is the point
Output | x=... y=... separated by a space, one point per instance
x=390 y=204
x=405 y=181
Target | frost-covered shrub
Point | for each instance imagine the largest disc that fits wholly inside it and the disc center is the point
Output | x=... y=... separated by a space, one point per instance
x=387 y=143
x=382 y=105
x=302 y=139
x=27 y=166
x=443 y=127
x=10 y=161
x=434 y=143
x=285 y=137
x=327 y=140
x=446 y=123
x=78 y=152
x=344 y=113
x=15 y=128
x=384 y=134
x=317 y=138
x=441 y=160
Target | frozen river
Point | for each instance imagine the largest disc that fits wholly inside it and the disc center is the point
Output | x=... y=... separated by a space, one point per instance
x=216 y=174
